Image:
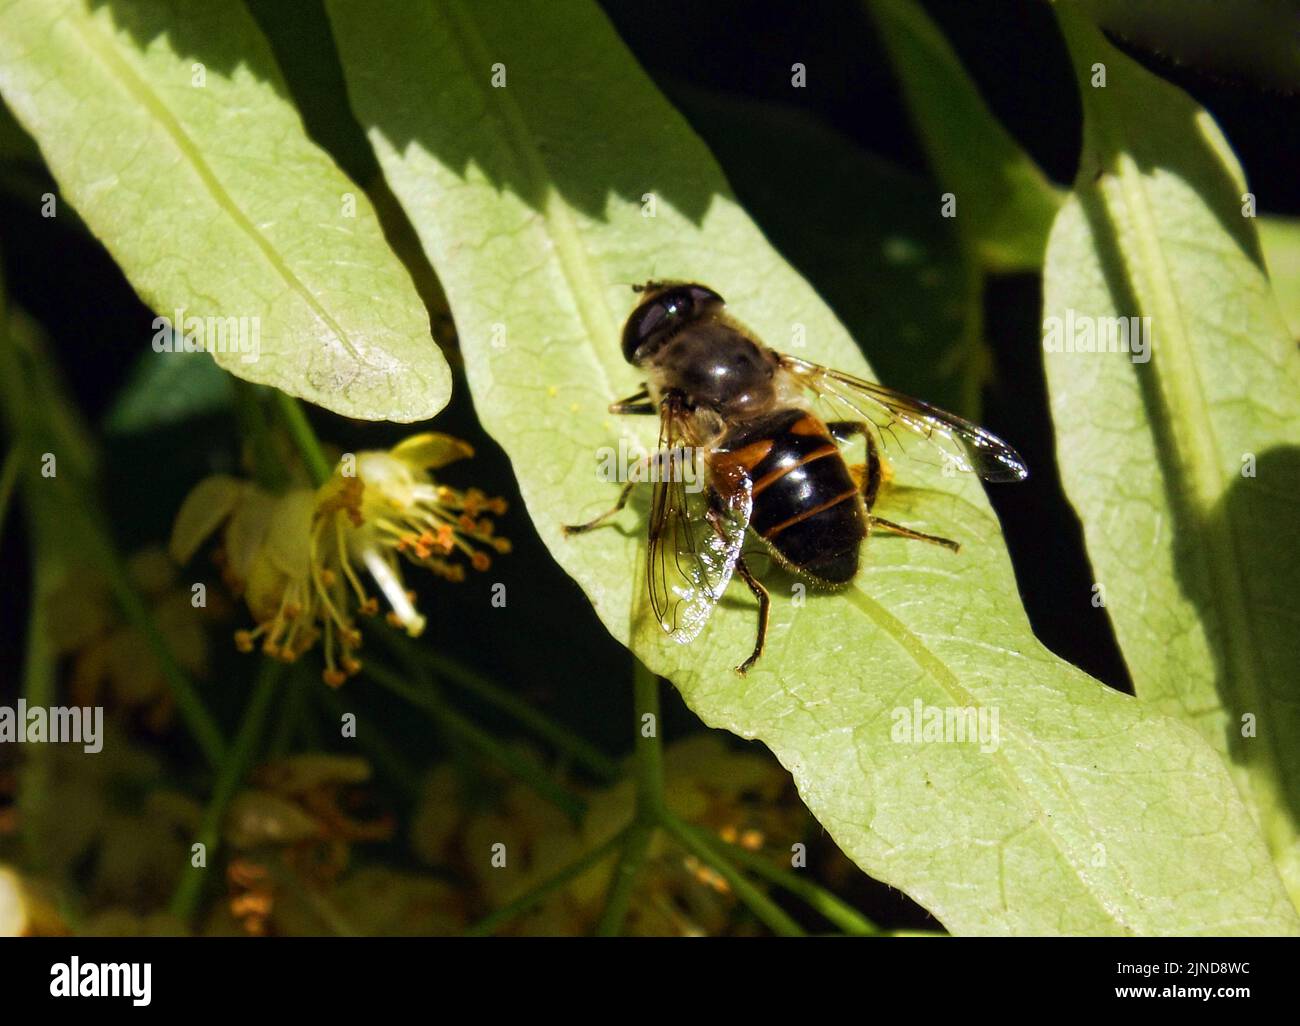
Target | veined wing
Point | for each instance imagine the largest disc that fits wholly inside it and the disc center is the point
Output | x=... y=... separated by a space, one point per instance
x=696 y=530
x=956 y=441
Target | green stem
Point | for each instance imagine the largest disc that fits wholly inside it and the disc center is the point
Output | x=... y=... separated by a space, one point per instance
x=291 y=710
x=475 y=737
x=300 y=430
x=255 y=428
x=759 y=903
x=648 y=745
x=635 y=850
x=489 y=925
x=843 y=915
x=452 y=670
x=195 y=714
x=8 y=478
x=230 y=773
x=650 y=807
x=39 y=663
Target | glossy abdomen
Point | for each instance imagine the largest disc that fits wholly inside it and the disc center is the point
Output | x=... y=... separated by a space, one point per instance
x=806 y=503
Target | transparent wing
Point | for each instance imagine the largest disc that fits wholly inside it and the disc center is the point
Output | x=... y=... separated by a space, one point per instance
x=696 y=531
x=911 y=426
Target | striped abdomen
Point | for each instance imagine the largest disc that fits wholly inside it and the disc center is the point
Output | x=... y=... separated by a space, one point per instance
x=806 y=504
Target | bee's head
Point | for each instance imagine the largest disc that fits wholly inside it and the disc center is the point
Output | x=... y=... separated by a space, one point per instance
x=666 y=307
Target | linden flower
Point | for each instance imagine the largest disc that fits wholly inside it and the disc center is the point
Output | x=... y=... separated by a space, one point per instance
x=297 y=557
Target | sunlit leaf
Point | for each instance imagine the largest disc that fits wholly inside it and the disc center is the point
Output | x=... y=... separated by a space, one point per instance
x=167 y=126
x=1183 y=461
x=1280 y=237
x=1092 y=814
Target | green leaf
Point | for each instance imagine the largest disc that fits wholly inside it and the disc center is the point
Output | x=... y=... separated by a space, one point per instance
x=162 y=392
x=1184 y=469
x=167 y=126
x=1093 y=815
x=1004 y=203
x=1280 y=237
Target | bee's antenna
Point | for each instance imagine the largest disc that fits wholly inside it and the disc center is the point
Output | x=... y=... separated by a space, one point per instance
x=643 y=285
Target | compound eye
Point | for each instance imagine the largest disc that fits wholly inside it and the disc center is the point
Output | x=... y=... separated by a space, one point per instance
x=702 y=296
x=663 y=315
x=670 y=309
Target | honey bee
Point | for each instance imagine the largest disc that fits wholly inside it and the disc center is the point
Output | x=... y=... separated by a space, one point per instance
x=772 y=462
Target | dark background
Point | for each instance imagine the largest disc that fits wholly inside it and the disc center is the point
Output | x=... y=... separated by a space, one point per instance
x=556 y=653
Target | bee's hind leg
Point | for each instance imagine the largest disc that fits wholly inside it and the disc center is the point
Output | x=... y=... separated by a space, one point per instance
x=764 y=608
x=869 y=476
x=907 y=532
x=760 y=593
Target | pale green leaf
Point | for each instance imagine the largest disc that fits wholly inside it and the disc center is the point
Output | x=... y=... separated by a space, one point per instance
x=1184 y=468
x=1004 y=203
x=167 y=126
x=1280 y=237
x=1093 y=815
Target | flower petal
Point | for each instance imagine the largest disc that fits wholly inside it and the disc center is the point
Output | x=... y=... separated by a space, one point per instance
x=288 y=540
x=431 y=450
x=212 y=500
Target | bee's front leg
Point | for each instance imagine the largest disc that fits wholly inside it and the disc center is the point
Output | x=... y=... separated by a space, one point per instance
x=623 y=496
x=635 y=404
x=633 y=480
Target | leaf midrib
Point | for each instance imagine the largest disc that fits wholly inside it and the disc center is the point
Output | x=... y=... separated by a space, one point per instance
x=586 y=287
x=1196 y=462
x=104 y=52
x=937 y=670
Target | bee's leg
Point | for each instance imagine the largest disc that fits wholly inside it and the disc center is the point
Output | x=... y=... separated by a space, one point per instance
x=907 y=532
x=639 y=403
x=760 y=593
x=869 y=474
x=764 y=607
x=623 y=496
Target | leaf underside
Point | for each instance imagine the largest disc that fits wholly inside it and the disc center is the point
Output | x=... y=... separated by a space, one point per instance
x=168 y=127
